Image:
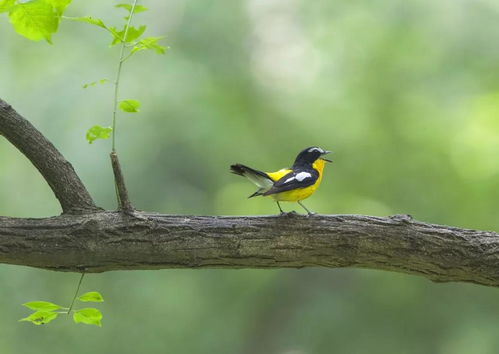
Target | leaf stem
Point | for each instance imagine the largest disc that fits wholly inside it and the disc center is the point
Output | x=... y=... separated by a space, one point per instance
x=118 y=73
x=76 y=293
x=78 y=19
x=128 y=56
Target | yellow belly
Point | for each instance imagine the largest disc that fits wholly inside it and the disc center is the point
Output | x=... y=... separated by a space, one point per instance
x=295 y=194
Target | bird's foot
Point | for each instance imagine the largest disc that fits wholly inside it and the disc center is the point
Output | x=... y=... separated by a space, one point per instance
x=289 y=214
x=311 y=213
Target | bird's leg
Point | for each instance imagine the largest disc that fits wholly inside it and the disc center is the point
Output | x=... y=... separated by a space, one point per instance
x=279 y=205
x=304 y=207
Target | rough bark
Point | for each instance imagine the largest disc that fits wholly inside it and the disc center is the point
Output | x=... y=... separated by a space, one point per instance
x=58 y=172
x=110 y=241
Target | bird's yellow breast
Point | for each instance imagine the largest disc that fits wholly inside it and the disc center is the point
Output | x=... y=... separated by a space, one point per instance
x=299 y=193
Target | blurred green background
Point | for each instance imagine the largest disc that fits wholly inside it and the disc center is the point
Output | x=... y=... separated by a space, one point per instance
x=406 y=94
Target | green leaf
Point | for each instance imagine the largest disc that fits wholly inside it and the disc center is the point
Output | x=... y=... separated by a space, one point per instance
x=59 y=5
x=44 y=306
x=98 y=132
x=40 y=317
x=6 y=5
x=130 y=106
x=35 y=20
x=128 y=7
x=92 y=296
x=150 y=43
x=94 y=83
x=89 y=316
x=132 y=34
x=88 y=19
x=116 y=35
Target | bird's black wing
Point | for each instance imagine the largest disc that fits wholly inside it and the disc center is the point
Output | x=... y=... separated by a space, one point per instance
x=294 y=180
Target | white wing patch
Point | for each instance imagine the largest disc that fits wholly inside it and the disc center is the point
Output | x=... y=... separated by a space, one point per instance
x=299 y=177
x=302 y=175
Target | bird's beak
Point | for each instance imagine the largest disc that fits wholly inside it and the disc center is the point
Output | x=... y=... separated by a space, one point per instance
x=325 y=153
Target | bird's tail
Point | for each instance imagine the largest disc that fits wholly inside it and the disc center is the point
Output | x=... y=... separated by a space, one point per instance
x=259 y=178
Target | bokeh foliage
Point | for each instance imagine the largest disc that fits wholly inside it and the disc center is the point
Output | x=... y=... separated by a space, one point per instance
x=406 y=94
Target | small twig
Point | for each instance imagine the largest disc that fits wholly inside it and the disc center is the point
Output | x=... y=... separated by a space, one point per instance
x=118 y=75
x=119 y=181
x=76 y=293
x=123 y=201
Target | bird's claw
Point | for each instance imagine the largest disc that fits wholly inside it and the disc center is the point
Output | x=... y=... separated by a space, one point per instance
x=289 y=214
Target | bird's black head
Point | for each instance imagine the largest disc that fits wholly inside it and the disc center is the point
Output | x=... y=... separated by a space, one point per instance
x=309 y=155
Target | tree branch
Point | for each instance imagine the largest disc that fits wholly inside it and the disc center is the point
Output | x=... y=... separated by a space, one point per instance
x=59 y=174
x=107 y=241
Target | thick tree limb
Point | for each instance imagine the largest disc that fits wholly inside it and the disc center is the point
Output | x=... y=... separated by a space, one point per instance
x=110 y=241
x=58 y=172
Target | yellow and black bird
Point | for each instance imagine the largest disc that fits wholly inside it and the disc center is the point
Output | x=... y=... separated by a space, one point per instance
x=288 y=184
